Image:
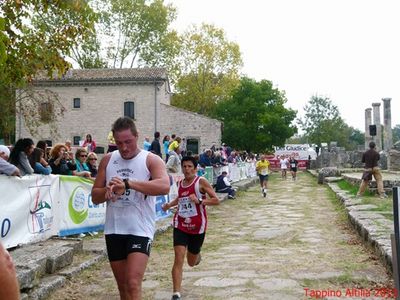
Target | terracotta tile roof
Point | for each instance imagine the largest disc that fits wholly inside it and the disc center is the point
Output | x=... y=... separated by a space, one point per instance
x=137 y=74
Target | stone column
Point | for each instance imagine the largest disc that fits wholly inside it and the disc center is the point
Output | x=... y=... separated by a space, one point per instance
x=387 y=125
x=377 y=121
x=368 y=121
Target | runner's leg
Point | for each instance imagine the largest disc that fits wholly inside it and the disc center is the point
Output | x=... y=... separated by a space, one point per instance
x=177 y=268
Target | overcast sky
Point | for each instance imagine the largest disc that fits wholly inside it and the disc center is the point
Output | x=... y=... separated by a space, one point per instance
x=347 y=50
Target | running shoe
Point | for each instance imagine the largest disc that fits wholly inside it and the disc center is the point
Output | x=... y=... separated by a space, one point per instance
x=176 y=297
x=264 y=193
x=383 y=196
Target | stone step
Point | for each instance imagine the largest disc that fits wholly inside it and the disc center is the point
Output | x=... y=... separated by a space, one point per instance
x=35 y=260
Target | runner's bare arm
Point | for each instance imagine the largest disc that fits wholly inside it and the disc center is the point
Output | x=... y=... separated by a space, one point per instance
x=99 y=188
x=170 y=204
x=206 y=188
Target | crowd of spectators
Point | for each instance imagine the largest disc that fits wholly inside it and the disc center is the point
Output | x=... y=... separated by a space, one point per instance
x=25 y=158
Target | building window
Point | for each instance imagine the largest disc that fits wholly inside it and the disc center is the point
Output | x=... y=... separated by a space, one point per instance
x=129 y=109
x=77 y=102
x=46 y=111
x=77 y=138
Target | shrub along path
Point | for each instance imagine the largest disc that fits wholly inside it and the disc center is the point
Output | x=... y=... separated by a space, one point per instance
x=293 y=244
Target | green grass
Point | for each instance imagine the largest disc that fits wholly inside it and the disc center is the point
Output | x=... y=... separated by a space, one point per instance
x=382 y=205
x=352 y=189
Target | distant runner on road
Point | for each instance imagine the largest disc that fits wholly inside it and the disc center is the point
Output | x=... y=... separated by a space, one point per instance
x=293 y=167
x=262 y=168
x=190 y=219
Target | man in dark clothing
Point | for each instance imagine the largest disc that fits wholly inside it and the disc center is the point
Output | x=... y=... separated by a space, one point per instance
x=223 y=185
x=155 y=146
x=370 y=158
x=205 y=158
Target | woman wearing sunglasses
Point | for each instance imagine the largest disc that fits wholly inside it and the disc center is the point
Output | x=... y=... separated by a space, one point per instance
x=80 y=160
x=91 y=162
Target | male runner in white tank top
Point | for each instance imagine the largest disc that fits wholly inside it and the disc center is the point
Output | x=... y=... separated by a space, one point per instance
x=128 y=179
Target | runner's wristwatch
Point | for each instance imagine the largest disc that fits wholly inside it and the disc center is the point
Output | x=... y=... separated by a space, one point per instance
x=126 y=182
x=200 y=201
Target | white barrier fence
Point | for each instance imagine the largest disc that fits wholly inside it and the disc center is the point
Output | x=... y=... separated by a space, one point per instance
x=36 y=207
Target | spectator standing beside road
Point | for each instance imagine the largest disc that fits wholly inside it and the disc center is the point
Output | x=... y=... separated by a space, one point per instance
x=38 y=163
x=146 y=144
x=174 y=145
x=166 y=145
x=155 y=146
x=190 y=220
x=19 y=155
x=61 y=161
x=284 y=165
x=82 y=169
x=293 y=167
x=5 y=166
x=67 y=145
x=262 y=168
x=127 y=180
x=89 y=143
x=111 y=142
x=173 y=164
x=91 y=162
x=43 y=145
x=224 y=186
x=205 y=158
x=370 y=158
x=182 y=147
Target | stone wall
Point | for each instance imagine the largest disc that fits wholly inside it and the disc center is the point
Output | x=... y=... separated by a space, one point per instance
x=349 y=159
x=394 y=160
x=191 y=125
x=101 y=105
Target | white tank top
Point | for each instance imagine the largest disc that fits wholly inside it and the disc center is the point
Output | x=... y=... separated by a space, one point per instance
x=133 y=212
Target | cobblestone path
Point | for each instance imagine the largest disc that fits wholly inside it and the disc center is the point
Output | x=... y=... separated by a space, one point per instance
x=291 y=245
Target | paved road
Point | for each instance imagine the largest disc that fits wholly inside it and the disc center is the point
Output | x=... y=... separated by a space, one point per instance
x=291 y=245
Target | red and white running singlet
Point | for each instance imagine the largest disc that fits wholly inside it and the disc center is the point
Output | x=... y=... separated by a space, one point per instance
x=190 y=217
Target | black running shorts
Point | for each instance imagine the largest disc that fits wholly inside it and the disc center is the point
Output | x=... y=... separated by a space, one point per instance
x=193 y=242
x=120 y=245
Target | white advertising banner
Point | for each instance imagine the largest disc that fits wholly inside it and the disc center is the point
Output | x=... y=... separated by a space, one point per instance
x=29 y=209
x=79 y=214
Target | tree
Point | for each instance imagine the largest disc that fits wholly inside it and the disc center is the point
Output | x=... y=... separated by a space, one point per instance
x=254 y=116
x=35 y=35
x=321 y=117
x=206 y=69
x=128 y=33
x=322 y=123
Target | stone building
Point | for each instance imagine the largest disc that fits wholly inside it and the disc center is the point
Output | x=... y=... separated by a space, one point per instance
x=94 y=98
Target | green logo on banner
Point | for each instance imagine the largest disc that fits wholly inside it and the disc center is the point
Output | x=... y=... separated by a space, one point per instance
x=76 y=206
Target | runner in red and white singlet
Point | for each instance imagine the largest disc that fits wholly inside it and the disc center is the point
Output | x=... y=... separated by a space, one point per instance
x=190 y=219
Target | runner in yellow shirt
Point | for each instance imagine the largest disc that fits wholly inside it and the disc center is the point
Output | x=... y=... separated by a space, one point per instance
x=262 y=168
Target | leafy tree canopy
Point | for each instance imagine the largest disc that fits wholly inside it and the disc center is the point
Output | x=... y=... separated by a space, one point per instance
x=254 y=117
x=35 y=35
x=206 y=69
x=128 y=33
x=322 y=123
